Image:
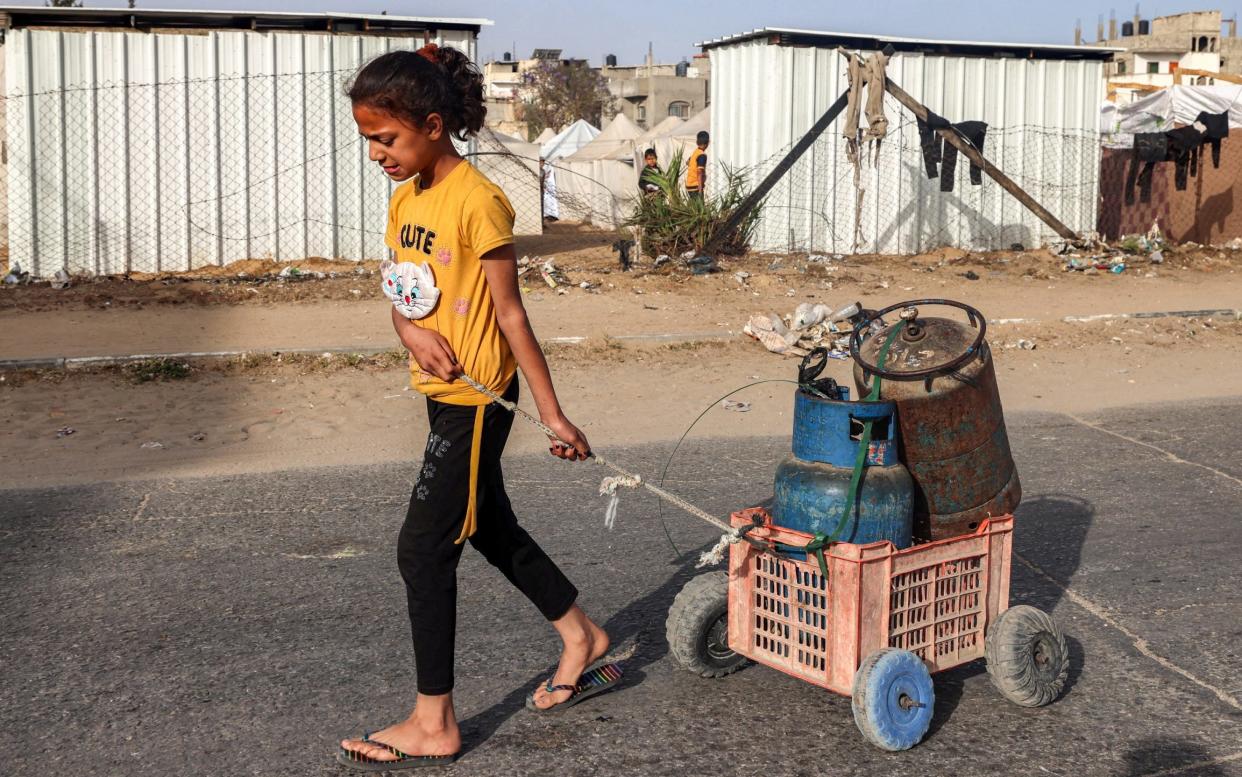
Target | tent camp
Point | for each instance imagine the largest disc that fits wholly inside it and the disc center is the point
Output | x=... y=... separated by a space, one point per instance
x=598 y=181
x=547 y=134
x=616 y=139
x=669 y=124
x=516 y=172
x=569 y=140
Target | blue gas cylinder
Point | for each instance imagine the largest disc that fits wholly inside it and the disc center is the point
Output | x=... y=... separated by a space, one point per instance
x=813 y=483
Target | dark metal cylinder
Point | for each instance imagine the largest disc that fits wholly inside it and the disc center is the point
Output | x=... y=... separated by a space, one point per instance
x=953 y=437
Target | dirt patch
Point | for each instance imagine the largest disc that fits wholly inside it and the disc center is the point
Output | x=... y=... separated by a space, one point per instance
x=282 y=412
x=585 y=254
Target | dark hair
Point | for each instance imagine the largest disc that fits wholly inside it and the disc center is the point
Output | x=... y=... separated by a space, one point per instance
x=649 y=152
x=702 y=137
x=412 y=85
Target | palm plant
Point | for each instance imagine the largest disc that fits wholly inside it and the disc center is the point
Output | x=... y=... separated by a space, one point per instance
x=671 y=222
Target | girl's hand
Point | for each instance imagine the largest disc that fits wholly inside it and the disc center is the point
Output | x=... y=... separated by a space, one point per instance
x=577 y=450
x=432 y=352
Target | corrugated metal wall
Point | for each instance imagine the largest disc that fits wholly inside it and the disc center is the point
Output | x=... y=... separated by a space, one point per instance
x=130 y=151
x=1042 y=117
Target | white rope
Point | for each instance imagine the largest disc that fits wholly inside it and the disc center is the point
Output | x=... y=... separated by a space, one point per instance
x=608 y=487
x=624 y=479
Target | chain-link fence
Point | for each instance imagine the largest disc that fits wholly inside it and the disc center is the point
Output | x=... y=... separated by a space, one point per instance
x=126 y=177
x=123 y=178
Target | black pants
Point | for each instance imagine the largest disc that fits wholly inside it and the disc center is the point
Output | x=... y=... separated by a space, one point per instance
x=427 y=553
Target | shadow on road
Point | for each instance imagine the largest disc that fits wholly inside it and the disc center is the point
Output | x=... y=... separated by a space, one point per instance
x=634 y=624
x=1160 y=756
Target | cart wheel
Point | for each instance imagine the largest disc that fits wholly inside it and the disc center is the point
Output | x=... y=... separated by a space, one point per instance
x=893 y=699
x=698 y=627
x=1027 y=657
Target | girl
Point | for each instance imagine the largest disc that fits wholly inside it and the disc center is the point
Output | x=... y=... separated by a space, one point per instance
x=410 y=106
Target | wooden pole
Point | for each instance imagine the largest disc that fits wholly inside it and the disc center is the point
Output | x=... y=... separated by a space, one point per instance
x=748 y=204
x=977 y=159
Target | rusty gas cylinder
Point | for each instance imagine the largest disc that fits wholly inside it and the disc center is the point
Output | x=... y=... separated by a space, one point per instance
x=939 y=373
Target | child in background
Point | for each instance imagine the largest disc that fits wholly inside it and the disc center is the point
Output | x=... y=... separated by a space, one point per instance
x=647 y=184
x=696 y=167
x=409 y=106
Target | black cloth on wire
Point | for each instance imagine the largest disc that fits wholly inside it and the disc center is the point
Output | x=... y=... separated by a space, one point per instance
x=1216 y=128
x=1184 y=145
x=974 y=132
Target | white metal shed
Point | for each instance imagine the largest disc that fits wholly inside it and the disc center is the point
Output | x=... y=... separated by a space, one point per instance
x=146 y=140
x=1041 y=103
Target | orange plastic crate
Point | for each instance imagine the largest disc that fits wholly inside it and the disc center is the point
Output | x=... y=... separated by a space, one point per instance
x=935 y=600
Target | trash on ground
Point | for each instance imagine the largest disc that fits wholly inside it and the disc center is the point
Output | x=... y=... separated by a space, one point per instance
x=290 y=272
x=971 y=275
x=61 y=280
x=662 y=259
x=740 y=276
x=1026 y=345
x=702 y=265
x=807 y=314
x=152 y=445
x=738 y=407
x=16 y=275
x=198 y=436
x=65 y=431
x=1117 y=269
x=552 y=275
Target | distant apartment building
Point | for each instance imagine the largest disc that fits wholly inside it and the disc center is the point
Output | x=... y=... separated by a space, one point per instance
x=649 y=93
x=1198 y=47
x=503 y=90
x=646 y=94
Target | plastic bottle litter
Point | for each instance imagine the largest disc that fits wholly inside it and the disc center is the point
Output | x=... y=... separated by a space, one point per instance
x=807 y=314
x=735 y=406
x=1118 y=269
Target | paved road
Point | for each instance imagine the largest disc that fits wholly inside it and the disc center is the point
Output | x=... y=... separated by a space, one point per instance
x=240 y=626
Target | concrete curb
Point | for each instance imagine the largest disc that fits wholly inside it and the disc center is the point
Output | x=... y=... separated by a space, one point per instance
x=82 y=362
x=79 y=362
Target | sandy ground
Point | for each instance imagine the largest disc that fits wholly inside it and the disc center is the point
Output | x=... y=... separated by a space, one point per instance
x=312 y=411
x=269 y=414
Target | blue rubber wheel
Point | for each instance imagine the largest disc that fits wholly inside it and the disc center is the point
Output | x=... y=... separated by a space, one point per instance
x=893 y=699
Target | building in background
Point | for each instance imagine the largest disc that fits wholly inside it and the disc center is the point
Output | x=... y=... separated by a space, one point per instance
x=160 y=141
x=1198 y=48
x=649 y=93
x=503 y=89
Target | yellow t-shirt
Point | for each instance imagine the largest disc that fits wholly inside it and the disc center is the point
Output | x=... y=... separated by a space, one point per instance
x=694 y=169
x=449 y=227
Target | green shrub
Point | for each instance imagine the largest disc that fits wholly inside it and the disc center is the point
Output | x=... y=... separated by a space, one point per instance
x=671 y=222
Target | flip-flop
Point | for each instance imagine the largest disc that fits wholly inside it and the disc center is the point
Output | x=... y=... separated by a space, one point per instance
x=361 y=763
x=590 y=683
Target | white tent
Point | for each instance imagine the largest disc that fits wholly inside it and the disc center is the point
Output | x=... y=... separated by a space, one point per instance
x=547 y=134
x=568 y=140
x=516 y=173
x=617 y=138
x=669 y=124
x=1174 y=106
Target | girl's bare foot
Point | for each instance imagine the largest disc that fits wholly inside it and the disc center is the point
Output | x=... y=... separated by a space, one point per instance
x=431 y=729
x=584 y=644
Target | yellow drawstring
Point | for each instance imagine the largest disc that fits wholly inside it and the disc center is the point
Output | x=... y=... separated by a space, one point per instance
x=476 y=444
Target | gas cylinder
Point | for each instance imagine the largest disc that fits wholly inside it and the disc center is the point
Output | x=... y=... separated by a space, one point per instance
x=939 y=373
x=813 y=483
